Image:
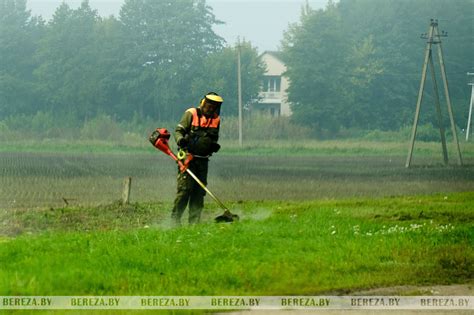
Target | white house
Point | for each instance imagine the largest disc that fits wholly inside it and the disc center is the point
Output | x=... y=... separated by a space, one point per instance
x=273 y=98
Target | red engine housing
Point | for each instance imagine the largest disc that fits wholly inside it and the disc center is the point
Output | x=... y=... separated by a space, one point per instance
x=159 y=138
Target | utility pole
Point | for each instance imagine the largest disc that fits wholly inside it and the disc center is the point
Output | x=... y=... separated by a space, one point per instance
x=434 y=38
x=239 y=87
x=471 y=83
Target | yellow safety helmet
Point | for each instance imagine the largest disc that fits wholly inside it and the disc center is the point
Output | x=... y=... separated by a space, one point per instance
x=212 y=98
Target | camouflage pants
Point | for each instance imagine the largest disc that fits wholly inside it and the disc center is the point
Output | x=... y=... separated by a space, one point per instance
x=189 y=192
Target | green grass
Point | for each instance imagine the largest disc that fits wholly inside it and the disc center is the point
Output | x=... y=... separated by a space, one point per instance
x=278 y=248
x=306 y=147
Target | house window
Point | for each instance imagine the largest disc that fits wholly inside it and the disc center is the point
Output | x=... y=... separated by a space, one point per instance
x=274 y=112
x=271 y=84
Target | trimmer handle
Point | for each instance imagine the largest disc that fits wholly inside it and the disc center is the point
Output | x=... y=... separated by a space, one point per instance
x=184 y=158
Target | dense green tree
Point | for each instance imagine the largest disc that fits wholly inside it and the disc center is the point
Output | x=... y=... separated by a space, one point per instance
x=19 y=33
x=357 y=63
x=314 y=52
x=68 y=76
x=362 y=70
x=219 y=73
x=395 y=27
x=164 y=45
x=108 y=43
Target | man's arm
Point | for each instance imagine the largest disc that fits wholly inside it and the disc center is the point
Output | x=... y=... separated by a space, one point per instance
x=183 y=127
x=215 y=138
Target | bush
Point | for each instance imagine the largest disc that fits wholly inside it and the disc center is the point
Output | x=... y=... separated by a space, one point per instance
x=20 y=122
x=38 y=126
x=143 y=127
x=262 y=127
x=427 y=133
x=134 y=139
x=4 y=131
x=102 y=127
x=380 y=135
x=41 y=122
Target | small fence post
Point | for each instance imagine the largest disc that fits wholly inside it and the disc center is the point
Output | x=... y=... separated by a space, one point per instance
x=127 y=185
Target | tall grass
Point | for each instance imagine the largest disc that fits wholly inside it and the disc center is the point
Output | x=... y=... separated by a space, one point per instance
x=256 y=127
x=263 y=128
x=262 y=135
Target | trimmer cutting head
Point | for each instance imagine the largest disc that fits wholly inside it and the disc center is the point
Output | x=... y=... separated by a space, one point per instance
x=227 y=217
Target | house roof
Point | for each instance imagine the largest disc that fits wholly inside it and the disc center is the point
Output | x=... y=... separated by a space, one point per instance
x=276 y=54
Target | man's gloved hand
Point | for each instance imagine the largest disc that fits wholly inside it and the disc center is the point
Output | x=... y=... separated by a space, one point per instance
x=215 y=147
x=182 y=143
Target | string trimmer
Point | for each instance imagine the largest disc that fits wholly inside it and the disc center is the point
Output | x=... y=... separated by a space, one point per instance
x=159 y=138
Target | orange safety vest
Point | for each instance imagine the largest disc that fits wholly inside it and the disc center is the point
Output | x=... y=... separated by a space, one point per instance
x=201 y=121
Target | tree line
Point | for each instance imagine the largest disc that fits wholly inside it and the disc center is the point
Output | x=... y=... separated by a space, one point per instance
x=356 y=64
x=154 y=60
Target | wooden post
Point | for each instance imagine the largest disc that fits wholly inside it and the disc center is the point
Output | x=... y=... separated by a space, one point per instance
x=127 y=185
x=239 y=91
x=448 y=99
x=470 y=111
x=420 y=97
x=438 y=111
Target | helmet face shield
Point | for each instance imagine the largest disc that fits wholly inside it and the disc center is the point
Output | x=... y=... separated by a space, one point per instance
x=209 y=108
x=211 y=104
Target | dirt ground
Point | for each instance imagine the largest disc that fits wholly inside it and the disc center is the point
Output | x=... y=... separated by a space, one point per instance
x=436 y=290
x=352 y=312
x=440 y=290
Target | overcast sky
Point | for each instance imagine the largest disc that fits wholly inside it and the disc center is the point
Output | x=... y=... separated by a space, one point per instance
x=260 y=21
